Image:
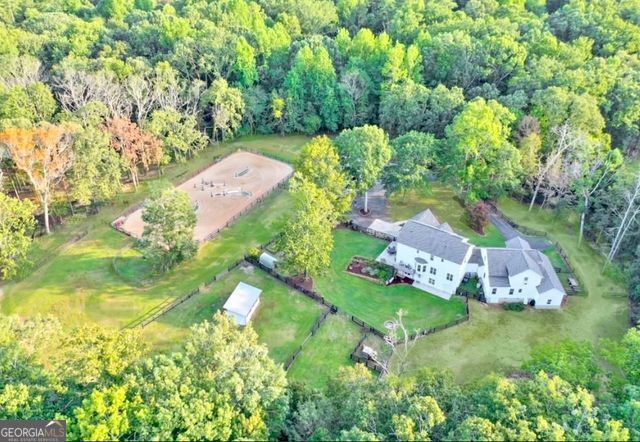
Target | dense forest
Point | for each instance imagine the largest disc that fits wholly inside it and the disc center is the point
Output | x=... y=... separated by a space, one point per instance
x=535 y=99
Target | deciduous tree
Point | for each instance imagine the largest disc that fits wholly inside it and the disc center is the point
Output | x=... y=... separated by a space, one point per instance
x=16 y=228
x=364 y=151
x=414 y=154
x=170 y=220
x=307 y=239
x=136 y=147
x=44 y=154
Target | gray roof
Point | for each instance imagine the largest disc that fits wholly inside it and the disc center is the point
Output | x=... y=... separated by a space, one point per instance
x=446 y=227
x=499 y=281
x=510 y=262
x=432 y=240
x=476 y=257
x=426 y=217
x=550 y=279
x=518 y=242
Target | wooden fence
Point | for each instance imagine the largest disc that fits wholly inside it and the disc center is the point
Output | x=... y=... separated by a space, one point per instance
x=314 y=329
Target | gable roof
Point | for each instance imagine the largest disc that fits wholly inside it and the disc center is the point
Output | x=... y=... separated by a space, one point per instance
x=518 y=242
x=243 y=298
x=550 y=278
x=426 y=217
x=435 y=241
x=510 y=262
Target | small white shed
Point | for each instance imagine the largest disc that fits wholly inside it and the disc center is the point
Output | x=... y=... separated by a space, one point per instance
x=268 y=260
x=242 y=303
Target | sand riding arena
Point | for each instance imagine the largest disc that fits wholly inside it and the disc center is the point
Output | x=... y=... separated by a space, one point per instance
x=222 y=192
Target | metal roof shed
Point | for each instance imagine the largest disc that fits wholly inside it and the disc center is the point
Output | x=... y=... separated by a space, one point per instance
x=242 y=303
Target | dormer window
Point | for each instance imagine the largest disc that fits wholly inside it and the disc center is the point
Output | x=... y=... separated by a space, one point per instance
x=526 y=280
x=431 y=257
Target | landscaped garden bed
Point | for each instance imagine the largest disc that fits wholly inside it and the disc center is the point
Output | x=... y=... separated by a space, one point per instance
x=372 y=270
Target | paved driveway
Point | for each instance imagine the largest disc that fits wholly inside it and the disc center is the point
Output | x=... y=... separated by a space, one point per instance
x=508 y=231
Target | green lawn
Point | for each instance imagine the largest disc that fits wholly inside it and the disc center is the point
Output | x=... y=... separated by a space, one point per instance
x=282 y=321
x=77 y=280
x=283 y=148
x=499 y=340
x=376 y=303
x=443 y=203
x=326 y=352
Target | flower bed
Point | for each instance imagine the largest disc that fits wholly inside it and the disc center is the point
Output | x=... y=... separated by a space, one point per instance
x=370 y=269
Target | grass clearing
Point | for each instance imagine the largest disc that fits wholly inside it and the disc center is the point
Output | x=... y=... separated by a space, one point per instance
x=375 y=303
x=443 y=203
x=282 y=321
x=326 y=352
x=499 y=340
x=78 y=283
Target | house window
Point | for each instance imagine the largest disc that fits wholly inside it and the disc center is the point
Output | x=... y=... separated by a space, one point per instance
x=519 y=290
x=511 y=291
x=432 y=270
x=526 y=279
x=441 y=259
x=432 y=281
x=431 y=257
x=548 y=301
x=494 y=291
x=449 y=277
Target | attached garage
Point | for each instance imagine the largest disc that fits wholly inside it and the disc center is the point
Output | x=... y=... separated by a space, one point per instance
x=242 y=303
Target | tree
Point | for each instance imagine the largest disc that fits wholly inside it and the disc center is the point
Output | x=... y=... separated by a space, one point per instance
x=307 y=239
x=311 y=92
x=480 y=214
x=223 y=386
x=319 y=163
x=364 y=151
x=44 y=154
x=573 y=361
x=224 y=106
x=413 y=156
x=97 y=168
x=630 y=184
x=179 y=133
x=481 y=160
x=170 y=220
x=136 y=147
x=16 y=228
x=105 y=415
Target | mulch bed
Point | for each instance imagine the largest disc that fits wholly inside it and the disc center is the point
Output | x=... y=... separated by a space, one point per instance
x=306 y=283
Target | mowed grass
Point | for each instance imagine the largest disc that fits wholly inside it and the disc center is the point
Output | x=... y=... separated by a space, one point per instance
x=499 y=340
x=283 y=319
x=285 y=149
x=326 y=352
x=443 y=203
x=77 y=280
x=374 y=303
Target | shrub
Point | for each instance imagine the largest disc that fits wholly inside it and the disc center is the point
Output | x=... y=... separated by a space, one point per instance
x=514 y=306
x=479 y=215
x=253 y=252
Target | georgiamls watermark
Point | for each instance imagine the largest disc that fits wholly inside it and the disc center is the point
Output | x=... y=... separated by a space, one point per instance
x=33 y=431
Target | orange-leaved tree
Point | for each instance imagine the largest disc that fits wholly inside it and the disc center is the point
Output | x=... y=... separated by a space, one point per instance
x=44 y=153
x=136 y=146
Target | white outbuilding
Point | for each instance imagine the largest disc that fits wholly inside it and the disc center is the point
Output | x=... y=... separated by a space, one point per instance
x=242 y=303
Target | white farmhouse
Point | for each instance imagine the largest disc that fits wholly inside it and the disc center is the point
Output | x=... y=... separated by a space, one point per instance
x=242 y=303
x=436 y=260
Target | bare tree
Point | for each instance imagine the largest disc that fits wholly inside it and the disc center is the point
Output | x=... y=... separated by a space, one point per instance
x=20 y=71
x=567 y=140
x=628 y=218
x=75 y=88
x=399 y=345
x=143 y=94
